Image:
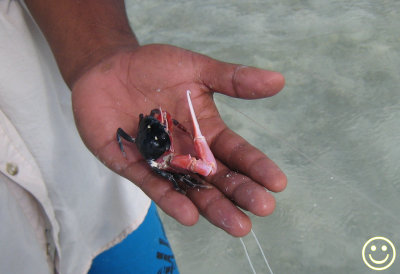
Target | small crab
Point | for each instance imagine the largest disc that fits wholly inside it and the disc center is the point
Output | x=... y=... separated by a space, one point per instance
x=154 y=142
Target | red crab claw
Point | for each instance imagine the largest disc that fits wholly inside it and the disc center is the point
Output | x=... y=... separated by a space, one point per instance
x=206 y=165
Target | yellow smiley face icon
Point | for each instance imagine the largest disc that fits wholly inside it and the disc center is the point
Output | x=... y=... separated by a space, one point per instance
x=378 y=253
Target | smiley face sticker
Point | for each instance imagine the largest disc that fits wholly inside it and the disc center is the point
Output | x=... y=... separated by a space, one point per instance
x=378 y=253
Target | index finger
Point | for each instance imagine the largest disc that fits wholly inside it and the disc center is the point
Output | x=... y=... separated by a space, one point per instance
x=239 y=155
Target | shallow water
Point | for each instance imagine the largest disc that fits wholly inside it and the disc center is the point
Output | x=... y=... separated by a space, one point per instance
x=334 y=129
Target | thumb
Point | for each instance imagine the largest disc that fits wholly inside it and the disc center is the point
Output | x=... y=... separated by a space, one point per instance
x=241 y=81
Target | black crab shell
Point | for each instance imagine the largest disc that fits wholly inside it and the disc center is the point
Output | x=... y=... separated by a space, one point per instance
x=152 y=139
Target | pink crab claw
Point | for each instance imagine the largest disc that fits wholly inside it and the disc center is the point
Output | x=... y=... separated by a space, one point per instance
x=206 y=165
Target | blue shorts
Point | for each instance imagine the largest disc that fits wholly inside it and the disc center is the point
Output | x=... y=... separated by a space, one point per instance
x=145 y=250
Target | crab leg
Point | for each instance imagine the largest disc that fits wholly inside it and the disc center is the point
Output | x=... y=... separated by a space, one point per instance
x=206 y=165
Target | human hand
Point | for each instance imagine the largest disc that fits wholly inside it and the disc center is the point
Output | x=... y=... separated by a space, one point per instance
x=113 y=93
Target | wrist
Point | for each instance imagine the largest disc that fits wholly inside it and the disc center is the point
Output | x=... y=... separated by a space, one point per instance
x=82 y=33
x=73 y=68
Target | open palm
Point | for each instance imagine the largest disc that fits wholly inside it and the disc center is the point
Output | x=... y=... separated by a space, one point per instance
x=113 y=94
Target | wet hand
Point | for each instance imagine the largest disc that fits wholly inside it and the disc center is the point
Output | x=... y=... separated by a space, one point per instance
x=113 y=93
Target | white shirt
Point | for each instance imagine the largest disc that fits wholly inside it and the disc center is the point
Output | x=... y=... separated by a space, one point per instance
x=59 y=206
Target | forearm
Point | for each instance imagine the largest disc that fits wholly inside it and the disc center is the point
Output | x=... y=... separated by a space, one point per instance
x=82 y=33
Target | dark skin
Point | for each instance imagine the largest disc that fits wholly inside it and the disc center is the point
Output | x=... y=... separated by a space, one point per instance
x=113 y=80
